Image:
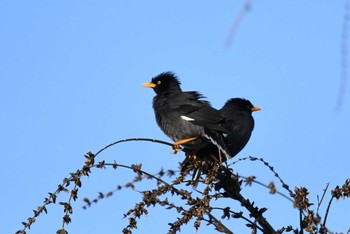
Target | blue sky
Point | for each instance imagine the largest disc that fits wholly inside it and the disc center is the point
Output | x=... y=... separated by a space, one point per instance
x=71 y=75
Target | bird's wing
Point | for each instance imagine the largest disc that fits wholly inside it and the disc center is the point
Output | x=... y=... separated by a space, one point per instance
x=204 y=116
x=200 y=112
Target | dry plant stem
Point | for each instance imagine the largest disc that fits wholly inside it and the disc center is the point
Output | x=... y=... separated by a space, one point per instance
x=327 y=211
x=70 y=199
x=251 y=158
x=217 y=222
x=264 y=185
x=221 y=179
x=52 y=198
x=241 y=216
x=267 y=228
x=301 y=221
x=344 y=56
x=94 y=156
x=178 y=192
x=320 y=201
x=232 y=188
x=133 y=139
x=245 y=7
x=257 y=182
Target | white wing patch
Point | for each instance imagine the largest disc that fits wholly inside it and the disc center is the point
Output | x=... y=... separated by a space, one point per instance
x=188 y=119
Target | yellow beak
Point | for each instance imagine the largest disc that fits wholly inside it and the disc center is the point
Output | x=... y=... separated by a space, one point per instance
x=149 y=85
x=255 y=108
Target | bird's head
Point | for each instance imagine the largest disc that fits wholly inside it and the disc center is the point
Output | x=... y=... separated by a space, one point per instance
x=164 y=82
x=241 y=104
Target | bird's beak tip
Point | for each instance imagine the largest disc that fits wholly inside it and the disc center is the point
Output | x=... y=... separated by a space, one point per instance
x=148 y=85
x=255 y=108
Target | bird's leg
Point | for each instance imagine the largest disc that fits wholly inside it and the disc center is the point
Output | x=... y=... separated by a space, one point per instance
x=193 y=157
x=220 y=158
x=176 y=145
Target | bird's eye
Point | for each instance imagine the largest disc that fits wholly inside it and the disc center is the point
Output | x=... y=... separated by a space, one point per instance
x=159 y=82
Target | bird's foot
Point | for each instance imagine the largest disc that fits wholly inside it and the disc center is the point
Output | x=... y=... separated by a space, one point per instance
x=176 y=149
x=176 y=145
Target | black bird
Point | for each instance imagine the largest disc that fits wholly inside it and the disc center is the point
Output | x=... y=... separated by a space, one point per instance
x=184 y=116
x=240 y=123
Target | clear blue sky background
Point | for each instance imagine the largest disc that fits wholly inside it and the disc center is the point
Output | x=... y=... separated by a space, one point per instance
x=71 y=75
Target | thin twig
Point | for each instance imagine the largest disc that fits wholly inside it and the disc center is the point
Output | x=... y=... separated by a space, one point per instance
x=134 y=139
x=266 y=186
x=323 y=195
x=344 y=56
x=245 y=7
x=327 y=211
x=267 y=228
x=240 y=215
x=301 y=221
x=251 y=158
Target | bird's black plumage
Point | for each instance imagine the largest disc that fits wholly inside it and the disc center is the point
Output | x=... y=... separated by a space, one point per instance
x=182 y=115
x=240 y=123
